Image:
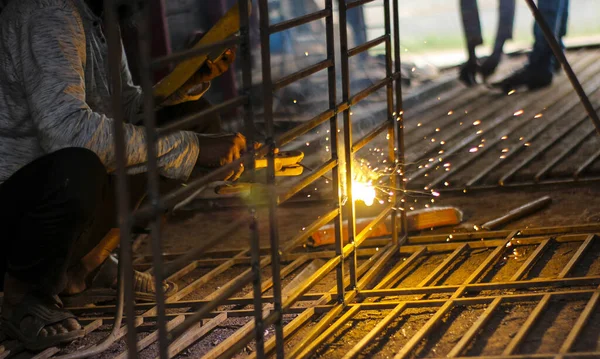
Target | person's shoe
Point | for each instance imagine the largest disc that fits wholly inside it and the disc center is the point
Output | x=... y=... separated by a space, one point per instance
x=526 y=77
x=467 y=73
x=488 y=67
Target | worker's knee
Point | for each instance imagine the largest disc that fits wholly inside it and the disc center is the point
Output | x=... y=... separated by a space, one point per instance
x=82 y=179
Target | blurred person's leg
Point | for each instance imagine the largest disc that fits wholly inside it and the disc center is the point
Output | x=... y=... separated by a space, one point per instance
x=47 y=209
x=506 y=19
x=472 y=31
x=539 y=71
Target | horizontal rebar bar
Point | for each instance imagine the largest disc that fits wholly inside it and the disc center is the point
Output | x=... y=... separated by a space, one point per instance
x=301 y=20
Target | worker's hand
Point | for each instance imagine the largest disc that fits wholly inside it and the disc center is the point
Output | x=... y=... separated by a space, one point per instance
x=220 y=150
x=213 y=69
x=199 y=83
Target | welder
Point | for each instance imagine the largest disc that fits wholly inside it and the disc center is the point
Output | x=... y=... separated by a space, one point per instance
x=57 y=193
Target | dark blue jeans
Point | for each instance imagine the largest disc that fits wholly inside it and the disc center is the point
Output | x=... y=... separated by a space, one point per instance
x=472 y=24
x=556 y=14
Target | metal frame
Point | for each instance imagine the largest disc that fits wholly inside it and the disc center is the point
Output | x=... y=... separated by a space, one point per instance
x=175 y=332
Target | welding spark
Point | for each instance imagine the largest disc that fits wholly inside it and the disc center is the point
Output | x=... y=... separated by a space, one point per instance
x=477 y=123
x=519 y=113
x=539 y=115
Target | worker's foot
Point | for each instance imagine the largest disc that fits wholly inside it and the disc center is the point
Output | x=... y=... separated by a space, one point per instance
x=101 y=286
x=468 y=71
x=526 y=77
x=35 y=319
x=489 y=65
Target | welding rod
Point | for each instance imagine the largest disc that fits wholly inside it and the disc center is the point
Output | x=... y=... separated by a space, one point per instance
x=519 y=212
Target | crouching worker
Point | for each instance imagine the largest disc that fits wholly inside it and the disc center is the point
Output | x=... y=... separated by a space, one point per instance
x=57 y=205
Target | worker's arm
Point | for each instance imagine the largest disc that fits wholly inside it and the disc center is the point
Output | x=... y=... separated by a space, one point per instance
x=52 y=58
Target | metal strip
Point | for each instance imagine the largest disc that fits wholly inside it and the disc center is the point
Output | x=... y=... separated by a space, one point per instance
x=299 y=130
x=527 y=326
x=531 y=260
x=312 y=346
x=580 y=323
x=315 y=175
x=474 y=329
x=302 y=20
x=570 y=149
x=584 y=166
x=368 y=45
x=299 y=75
x=370 y=337
x=443 y=266
x=577 y=256
x=370 y=136
x=426 y=329
x=404 y=265
x=350 y=214
x=356 y=3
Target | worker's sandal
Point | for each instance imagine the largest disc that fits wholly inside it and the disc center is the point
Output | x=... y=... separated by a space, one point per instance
x=45 y=311
x=102 y=287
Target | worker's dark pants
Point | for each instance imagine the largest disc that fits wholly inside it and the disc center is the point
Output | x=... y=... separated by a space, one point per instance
x=57 y=208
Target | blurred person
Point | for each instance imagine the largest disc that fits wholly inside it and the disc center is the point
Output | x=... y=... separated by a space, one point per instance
x=542 y=64
x=473 y=36
x=57 y=196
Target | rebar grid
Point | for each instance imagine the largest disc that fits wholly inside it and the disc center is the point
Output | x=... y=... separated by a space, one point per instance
x=176 y=332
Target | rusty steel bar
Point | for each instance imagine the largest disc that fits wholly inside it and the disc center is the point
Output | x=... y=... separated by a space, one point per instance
x=334 y=145
x=189 y=121
x=367 y=45
x=299 y=130
x=301 y=74
x=560 y=56
x=527 y=326
x=347 y=119
x=580 y=323
x=577 y=256
x=391 y=119
x=316 y=174
x=152 y=174
x=246 y=53
x=268 y=89
x=301 y=20
x=474 y=329
x=356 y=3
x=400 y=140
x=584 y=166
x=358 y=145
x=531 y=260
x=570 y=149
x=125 y=217
x=518 y=213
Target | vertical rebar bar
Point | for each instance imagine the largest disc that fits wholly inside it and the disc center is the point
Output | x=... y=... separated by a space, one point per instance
x=558 y=52
x=272 y=191
x=115 y=52
x=350 y=209
x=399 y=166
x=390 y=114
x=334 y=139
x=246 y=65
x=146 y=82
